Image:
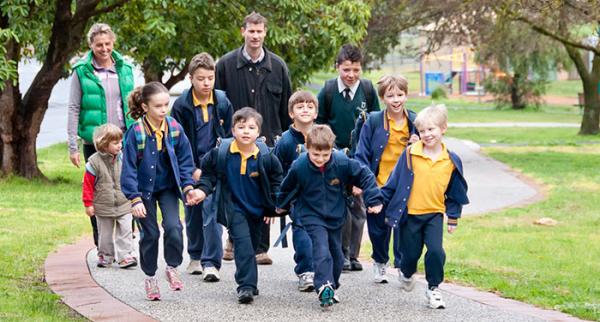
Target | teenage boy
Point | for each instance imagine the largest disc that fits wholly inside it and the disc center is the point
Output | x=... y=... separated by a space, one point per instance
x=315 y=183
x=302 y=108
x=426 y=183
x=245 y=177
x=205 y=115
x=341 y=101
x=254 y=76
x=383 y=138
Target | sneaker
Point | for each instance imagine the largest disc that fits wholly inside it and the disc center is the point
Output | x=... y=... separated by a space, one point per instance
x=128 y=262
x=173 y=278
x=104 y=261
x=211 y=274
x=379 y=269
x=263 y=259
x=152 y=291
x=306 y=282
x=336 y=299
x=347 y=266
x=245 y=296
x=228 y=251
x=194 y=268
x=434 y=296
x=326 y=295
x=407 y=284
x=355 y=265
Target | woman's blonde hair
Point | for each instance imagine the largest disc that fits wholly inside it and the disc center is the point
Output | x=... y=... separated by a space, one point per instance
x=97 y=29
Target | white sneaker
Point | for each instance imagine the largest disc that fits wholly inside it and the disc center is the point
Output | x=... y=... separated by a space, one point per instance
x=211 y=274
x=407 y=284
x=194 y=268
x=435 y=298
x=379 y=269
x=306 y=282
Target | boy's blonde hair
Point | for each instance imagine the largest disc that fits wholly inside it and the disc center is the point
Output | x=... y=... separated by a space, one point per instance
x=436 y=114
x=201 y=60
x=302 y=97
x=387 y=82
x=244 y=114
x=320 y=137
x=105 y=134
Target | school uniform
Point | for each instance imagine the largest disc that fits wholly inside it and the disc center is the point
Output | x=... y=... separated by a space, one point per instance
x=417 y=194
x=287 y=150
x=380 y=145
x=319 y=203
x=203 y=125
x=160 y=173
x=243 y=193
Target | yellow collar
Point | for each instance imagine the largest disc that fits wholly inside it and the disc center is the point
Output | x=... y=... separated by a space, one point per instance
x=417 y=149
x=393 y=123
x=150 y=128
x=233 y=148
x=196 y=100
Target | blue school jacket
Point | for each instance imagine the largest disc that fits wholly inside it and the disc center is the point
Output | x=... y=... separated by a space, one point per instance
x=397 y=190
x=138 y=174
x=289 y=147
x=374 y=138
x=318 y=197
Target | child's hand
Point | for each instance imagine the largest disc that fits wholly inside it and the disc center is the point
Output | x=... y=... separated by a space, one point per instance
x=196 y=175
x=413 y=138
x=375 y=209
x=356 y=191
x=451 y=229
x=89 y=211
x=269 y=220
x=139 y=211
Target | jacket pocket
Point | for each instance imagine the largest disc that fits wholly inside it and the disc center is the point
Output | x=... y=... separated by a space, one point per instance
x=275 y=89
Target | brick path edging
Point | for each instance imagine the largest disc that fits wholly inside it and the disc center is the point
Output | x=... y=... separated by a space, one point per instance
x=67 y=274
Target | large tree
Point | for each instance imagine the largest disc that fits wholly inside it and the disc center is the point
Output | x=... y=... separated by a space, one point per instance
x=52 y=31
x=306 y=34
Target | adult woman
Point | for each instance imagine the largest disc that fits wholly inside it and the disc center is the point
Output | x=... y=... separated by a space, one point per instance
x=101 y=83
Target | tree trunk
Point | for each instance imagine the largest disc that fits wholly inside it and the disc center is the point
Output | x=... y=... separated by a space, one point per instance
x=516 y=93
x=151 y=72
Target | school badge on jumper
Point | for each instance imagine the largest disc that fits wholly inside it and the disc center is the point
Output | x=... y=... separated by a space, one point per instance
x=334 y=182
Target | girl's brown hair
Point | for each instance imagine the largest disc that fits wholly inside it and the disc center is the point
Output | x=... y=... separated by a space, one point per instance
x=142 y=94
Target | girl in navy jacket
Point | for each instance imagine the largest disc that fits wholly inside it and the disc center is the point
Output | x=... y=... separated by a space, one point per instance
x=157 y=168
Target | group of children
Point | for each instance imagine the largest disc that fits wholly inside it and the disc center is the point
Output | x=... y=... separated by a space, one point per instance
x=400 y=176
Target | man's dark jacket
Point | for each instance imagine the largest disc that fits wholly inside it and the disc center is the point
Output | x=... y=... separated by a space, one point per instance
x=271 y=93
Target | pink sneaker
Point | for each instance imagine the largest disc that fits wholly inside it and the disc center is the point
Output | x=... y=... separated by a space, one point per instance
x=128 y=262
x=104 y=261
x=175 y=282
x=152 y=291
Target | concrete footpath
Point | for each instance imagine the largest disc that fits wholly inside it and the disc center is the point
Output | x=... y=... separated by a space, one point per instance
x=492 y=186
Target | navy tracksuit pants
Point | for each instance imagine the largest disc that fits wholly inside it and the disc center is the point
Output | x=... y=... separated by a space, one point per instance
x=245 y=232
x=416 y=232
x=328 y=257
x=380 y=235
x=204 y=234
x=168 y=201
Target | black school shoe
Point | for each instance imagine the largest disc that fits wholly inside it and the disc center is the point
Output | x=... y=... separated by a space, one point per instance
x=347 y=265
x=355 y=265
x=245 y=296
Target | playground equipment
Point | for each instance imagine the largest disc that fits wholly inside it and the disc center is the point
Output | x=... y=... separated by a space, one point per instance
x=459 y=64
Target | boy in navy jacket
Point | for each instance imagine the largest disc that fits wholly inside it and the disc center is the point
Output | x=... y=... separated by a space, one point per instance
x=244 y=177
x=303 y=108
x=427 y=182
x=315 y=184
x=205 y=115
x=383 y=138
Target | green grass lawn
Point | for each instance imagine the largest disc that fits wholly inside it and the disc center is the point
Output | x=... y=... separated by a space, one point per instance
x=523 y=136
x=568 y=88
x=551 y=267
x=35 y=219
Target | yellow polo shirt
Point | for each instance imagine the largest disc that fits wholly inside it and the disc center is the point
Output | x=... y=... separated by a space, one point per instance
x=430 y=181
x=397 y=142
x=159 y=132
x=203 y=107
x=233 y=148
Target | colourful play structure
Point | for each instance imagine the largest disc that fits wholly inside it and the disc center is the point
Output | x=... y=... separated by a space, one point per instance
x=456 y=69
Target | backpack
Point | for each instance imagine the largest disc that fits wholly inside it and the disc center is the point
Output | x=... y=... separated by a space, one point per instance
x=140 y=134
x=355 y=133
x=331 y=88
x=220 y=112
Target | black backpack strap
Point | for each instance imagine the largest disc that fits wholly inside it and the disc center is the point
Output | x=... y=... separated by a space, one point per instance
x=222 y=151
x=368 y=90
x=330 y=89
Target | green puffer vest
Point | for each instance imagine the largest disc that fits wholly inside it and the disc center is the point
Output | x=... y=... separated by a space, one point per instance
x=93 y=99
x=109 y=201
